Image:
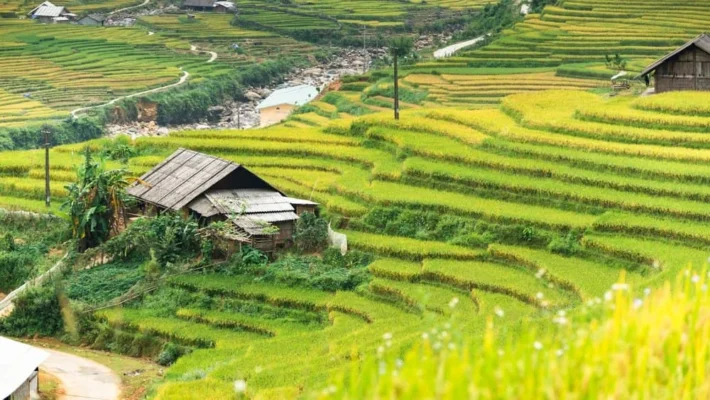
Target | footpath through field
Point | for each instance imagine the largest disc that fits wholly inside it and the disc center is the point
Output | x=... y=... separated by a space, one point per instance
x=82 y=378
x=213 y=55
x=129 y=8
x=182 y=80
x=448 y=51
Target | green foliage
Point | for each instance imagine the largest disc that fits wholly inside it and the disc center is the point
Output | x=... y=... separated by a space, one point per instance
x=37 y=312
x=169 y=236
x=96 y=203
x=170 y=353
x=566 y=245
x=103 y=283
x=65 y=132
x=400 y=46
x=330 y=272
x=427 y=225
x=494 y=18
x=311 y=232
x=24 y=246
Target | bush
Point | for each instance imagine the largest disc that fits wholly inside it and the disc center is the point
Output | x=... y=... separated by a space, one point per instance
x=566 y=245
x=332 y=272
x=311 y=233
x=170 y=236
x=37 y=312
x=170 y=353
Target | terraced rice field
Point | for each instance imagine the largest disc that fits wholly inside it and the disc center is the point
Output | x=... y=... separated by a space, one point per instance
x=562 y=44
x=49 y=70
x=626 y=175
x=331 y=14
x=17 y=8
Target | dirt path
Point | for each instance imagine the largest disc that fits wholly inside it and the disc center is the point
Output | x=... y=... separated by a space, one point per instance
x=448 y=51
x=129 y=8
x=82 y=378
x=213 y=55
x=182 y=80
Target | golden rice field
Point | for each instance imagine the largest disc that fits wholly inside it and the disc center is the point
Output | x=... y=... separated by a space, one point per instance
x=625 y=176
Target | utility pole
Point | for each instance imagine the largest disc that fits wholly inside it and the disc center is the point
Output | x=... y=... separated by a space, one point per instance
x=239 y=116
x=364 y=49
x=46 y=132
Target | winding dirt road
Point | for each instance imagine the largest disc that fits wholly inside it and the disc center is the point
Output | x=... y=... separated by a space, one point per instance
x=82 y=378
x=129 y=8
x=182 y=80
x=213 y=55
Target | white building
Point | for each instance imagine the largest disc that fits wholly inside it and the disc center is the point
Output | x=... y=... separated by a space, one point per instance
x=19 y=370
x=279 y=105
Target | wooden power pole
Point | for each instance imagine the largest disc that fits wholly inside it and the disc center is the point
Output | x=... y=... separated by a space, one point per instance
x=45 y=130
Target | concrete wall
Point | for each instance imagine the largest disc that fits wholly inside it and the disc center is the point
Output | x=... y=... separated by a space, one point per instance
x=275 y=114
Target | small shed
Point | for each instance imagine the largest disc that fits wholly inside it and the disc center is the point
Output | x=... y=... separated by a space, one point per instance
x=199 y=5
x=279 y=105
x=19 y=370
x=212 y=189
x=92 y=20
x=49 y=13
x=686 y=68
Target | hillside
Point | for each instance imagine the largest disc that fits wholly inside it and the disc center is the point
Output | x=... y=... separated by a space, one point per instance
x=515 y=186
x=618 y=184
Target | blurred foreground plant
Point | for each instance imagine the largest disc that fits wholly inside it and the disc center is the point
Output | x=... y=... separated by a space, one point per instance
x=649 y=344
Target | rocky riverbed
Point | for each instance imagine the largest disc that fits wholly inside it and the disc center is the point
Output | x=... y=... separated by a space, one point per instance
x=244 y=115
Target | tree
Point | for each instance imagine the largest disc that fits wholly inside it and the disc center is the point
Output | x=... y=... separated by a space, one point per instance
x=399 y=46
x=96 y=203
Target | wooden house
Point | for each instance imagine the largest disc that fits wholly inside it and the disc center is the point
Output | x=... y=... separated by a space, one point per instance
x=212 y=189
x=686 y=68
x=19 y=370
x=49 y=13
x=92 y=20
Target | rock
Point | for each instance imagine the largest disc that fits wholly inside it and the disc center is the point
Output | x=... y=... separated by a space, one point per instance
x=202 y=126
x=264 y=92
x=253 y=96
x=312 y=71
x=162 y=131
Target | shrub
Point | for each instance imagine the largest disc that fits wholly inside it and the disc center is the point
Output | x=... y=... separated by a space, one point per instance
x=37 y=312
x=311 y=233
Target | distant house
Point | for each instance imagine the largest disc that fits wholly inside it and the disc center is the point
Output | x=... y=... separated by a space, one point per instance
x=686 y=68
x=19 y=370
x=282 y=102
x=212 y=189
x=49 y=13
x=92 y=20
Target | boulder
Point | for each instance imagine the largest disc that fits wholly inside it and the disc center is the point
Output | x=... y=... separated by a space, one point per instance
x=253 y=96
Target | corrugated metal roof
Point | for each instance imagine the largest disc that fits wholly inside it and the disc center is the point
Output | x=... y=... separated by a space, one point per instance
x=49 y=11
x=260 y=223
x=296 y=95
x=702 y=42
x=241 y=201
x=46 y=3
x=181 y=178
x=300 y=202
x=17 y=362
